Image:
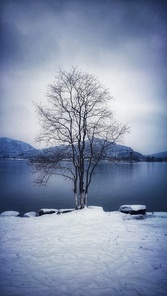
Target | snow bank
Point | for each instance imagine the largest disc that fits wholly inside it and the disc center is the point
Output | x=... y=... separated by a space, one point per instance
x=30 y=214
x=84 y=253
x=10 y=214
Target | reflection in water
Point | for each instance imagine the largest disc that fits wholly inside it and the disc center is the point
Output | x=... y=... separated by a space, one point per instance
x=112 y=186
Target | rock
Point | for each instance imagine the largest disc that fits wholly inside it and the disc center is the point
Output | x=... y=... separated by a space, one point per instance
x=30 y=215
x=133 y=209
x=10 y=214
x=64 y=211
x=47 y=211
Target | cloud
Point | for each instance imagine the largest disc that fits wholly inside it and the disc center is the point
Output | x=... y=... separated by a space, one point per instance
x=122 y=42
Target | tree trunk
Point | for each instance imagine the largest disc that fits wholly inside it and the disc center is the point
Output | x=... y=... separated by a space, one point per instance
x=76 y=200
x=86 y=200
x=82 y=200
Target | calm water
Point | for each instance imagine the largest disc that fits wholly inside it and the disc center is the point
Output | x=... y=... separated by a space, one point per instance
x=112 y=186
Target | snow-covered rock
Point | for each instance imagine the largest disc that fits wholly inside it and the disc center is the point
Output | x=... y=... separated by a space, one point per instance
x=10 y=213
x=63 y=211
x=30 y=214
x=47 y=211
x=133 y=209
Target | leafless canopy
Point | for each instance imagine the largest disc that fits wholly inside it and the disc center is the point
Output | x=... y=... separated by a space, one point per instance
x=77 y=115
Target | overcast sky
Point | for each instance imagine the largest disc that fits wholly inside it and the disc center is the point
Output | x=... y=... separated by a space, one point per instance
x=123 y=42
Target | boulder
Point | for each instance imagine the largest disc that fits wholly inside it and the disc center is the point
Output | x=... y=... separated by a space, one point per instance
x=10 y=214
x=30 y=215
x=64 y=211
x=47 y=211
x=133 y=209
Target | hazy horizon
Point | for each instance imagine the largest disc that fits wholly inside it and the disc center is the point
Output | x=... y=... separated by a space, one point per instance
x=38 y=146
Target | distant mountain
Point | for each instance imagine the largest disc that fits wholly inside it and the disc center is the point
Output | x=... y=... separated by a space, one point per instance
x=116 y=151
x=112 y=151
x=10 y=148
x=160 y=154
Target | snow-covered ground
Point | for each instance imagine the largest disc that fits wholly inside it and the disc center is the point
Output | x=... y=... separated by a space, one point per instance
x=82 y=253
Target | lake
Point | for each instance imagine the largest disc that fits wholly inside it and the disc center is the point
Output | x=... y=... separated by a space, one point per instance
x=112 y=186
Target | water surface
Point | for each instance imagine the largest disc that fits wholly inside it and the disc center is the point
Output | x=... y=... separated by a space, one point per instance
x=112 y=186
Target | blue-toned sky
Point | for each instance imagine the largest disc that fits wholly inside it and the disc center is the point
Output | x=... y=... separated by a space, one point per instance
x=123 y=42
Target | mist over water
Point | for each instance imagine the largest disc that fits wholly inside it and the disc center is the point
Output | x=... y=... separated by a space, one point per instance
x=112 y=186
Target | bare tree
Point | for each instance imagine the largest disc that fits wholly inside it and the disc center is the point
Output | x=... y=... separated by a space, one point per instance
x=77 y=115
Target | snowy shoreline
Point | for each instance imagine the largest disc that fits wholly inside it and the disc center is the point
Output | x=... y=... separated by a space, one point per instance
x=88 y=252
x=127 y=209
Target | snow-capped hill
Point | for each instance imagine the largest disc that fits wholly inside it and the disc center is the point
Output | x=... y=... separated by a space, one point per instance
x=111 y=150
x=160 y=154
x=117 y=151
x=120 y=151
x=10 y=148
